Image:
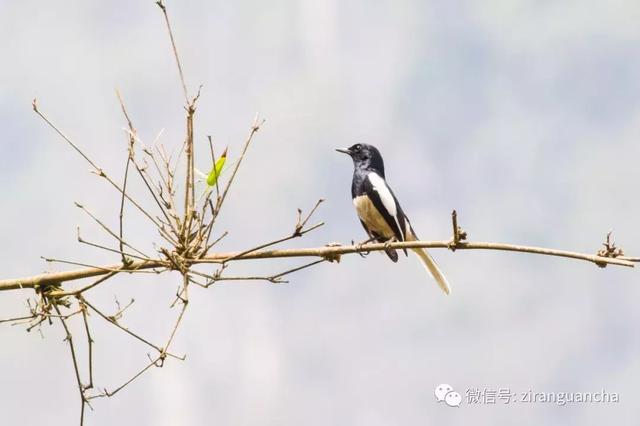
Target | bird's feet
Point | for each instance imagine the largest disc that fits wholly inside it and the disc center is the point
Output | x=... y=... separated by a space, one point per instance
x=387 y=244
x=360 y=245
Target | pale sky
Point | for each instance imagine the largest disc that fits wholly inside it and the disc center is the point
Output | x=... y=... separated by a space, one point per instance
x=522 y=115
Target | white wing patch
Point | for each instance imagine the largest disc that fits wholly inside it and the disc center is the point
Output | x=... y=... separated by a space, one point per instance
x=389 y=203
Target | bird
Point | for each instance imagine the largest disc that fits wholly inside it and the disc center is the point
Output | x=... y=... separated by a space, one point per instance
x=379 y=210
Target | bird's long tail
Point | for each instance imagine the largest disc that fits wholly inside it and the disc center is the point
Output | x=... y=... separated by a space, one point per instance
x=433 y=269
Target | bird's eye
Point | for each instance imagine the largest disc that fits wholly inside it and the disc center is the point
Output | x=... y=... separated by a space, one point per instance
x=358 y=147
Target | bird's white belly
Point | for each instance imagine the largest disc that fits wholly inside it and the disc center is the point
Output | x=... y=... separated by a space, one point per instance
x=371 y=217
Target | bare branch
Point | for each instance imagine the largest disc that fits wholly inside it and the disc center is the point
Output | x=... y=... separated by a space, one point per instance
x=69 y=338
x=298 y=232
x=101 y=247
x=458 y=233
x=109 y=231
x=129 y=332
x=329 y=252
x=100 y=172
x=83 y=308
x=188 y=233
x=130 y=152
x=125 y=384
x=183 y=296
x=162 y=7
x=18 y=319
x=78 y=292
x=141 y=170
x=254 y=129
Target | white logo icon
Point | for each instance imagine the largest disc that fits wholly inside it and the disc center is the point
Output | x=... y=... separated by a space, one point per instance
x=445 y=392
x=442 y=391
x=453 y=399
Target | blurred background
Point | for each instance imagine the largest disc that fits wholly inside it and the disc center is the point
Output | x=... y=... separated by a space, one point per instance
x=522 y=115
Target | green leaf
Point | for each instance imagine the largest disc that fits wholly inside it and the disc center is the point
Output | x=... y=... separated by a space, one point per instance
x=214 y=174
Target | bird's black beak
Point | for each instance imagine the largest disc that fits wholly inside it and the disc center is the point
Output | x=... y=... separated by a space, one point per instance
x=344 y=151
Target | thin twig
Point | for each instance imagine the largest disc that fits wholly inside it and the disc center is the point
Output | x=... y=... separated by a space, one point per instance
x=99 y=171
x=154 y=194
x=109 y=231
x=211 y=279
x=302 y=222
x=129 y=332
x=56 y=294
x=458 y=233
x=141 y=171
x=296 y=269
x=276 y=279
x=83 y=308
x=101 y=268
x=69 y=338
x=160 y=4
x=185 y=303
x=272 y=243
x=254 y=129
x=118 y=315
x=101 y=247
x=297 y=232
x=216 y=241
x=135 y=376
x=16 y=319
x=130 y=152
x=189 y=193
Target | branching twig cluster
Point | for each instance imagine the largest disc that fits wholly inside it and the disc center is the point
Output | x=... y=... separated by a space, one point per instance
x=187 y=242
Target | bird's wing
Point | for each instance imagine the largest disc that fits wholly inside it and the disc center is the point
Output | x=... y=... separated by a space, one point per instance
x=386 y=203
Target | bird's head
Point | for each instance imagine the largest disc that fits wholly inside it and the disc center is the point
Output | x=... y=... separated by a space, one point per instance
x=365 y=157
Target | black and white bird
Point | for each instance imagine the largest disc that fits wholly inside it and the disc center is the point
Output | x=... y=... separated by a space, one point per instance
x=379 y=210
